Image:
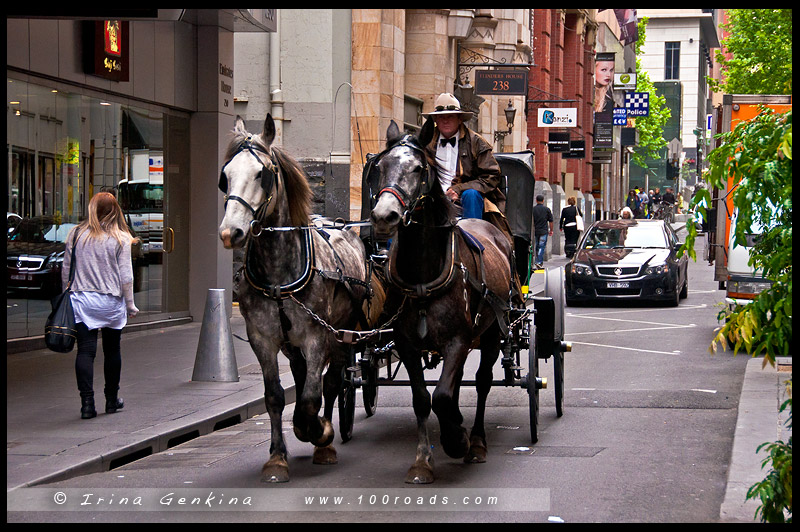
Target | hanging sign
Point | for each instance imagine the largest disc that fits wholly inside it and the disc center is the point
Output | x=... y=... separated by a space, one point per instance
x=557 y=117
x=637 y=103
x=501 y=82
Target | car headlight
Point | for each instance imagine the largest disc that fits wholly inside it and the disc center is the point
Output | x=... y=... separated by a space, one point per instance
x=747 y=289
x=581 y=269
x=661 y=268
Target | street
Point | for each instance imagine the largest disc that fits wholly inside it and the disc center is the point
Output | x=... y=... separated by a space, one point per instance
x=646 y=436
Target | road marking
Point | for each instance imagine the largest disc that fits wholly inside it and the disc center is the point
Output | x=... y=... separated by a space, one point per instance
x=704 y=391
x=673 y=353
x=640 y=310
x=634 y=330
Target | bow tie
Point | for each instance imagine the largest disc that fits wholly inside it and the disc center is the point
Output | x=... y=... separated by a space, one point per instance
x=451 y=141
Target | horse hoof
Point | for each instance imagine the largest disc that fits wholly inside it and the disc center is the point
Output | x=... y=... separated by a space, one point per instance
x=325 y=455
x=274 y=472
x=456 y=447
x=477 y=451
x=420 y=474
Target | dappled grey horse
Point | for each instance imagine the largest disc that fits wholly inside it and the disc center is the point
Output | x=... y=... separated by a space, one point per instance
x=298 y=278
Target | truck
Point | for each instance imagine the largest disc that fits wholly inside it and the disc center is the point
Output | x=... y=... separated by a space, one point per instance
x=731 y=261
x=141 y=196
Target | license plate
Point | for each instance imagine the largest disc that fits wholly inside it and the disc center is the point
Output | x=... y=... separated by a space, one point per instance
x=18 y=277
x=618 y=285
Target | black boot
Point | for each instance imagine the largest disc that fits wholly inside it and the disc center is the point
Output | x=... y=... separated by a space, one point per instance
x=87 y=408
x=113 y=404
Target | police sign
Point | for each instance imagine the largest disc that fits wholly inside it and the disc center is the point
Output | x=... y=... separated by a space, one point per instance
x=637 y=103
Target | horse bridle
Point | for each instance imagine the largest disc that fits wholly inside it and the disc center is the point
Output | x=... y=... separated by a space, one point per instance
x=267 y=175
x=408 y=203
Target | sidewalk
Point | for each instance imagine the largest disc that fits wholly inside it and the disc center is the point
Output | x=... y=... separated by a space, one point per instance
x=47 y=441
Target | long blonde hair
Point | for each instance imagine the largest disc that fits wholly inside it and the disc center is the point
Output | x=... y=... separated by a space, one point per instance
x=105 y=217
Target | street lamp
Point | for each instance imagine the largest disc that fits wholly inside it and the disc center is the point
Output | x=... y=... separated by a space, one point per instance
x=510 y=112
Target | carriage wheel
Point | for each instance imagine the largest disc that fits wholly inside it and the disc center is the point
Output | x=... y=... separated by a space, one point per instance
x=369 y=387
x=554 y=289
x=347 y=411
x=533 y=388
x=558 y=376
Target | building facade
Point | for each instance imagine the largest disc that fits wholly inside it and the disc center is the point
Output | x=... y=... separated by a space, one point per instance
x=141 y=105
x=678 y=55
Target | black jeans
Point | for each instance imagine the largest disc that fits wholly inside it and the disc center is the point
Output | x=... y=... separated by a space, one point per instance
x=84 y=362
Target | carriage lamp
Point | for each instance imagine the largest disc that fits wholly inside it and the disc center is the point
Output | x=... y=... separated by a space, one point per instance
x=510 y=112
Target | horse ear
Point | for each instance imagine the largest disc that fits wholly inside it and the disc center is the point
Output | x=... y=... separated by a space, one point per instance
x=268 y=135
x=427 y=132
x=393 y=133
x=239 y=126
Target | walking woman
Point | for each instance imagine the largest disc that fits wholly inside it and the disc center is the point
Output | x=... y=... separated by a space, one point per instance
x=102 y=296
x=569 y=225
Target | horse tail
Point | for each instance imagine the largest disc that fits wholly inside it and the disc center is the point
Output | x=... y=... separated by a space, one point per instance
x=298 y=191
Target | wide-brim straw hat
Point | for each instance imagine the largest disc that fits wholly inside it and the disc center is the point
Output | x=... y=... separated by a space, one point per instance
x=447 y=104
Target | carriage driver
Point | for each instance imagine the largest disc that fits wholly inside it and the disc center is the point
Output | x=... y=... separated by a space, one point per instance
x=468 y=172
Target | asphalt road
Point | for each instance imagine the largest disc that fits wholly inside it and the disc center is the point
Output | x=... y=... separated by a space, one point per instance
x=646 y=436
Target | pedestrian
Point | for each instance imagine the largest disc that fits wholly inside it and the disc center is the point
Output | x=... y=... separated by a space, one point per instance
x=643 y=199
x=626 y=213
x=542 y=228
x=568 y=223
x=102 y=296
x=632 y=201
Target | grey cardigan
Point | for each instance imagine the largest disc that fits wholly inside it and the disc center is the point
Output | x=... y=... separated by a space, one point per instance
x=103 y=265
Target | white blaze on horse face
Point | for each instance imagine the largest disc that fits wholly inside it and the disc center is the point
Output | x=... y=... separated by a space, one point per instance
x=241 y=172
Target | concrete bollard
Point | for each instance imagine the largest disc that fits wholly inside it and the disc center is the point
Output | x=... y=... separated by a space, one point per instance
x=215 y=360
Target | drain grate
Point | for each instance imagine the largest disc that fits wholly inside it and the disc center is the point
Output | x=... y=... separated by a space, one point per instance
x=556 y=451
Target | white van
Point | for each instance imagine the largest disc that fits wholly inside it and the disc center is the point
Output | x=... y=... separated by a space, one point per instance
x=744 y=282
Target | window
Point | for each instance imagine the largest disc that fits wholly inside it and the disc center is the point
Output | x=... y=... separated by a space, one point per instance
x=672 y=60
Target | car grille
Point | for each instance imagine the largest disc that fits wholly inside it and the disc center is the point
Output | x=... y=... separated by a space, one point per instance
x=626 y=292
x=617 y=271
x=24 y=263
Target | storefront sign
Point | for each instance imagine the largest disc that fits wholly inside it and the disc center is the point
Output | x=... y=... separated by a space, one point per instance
x=501 y=82
x=603 y=135
x=620 y=116
x=625 y=81
x=557 y=117
x=558 y=142
x=577 y=150
x=106 y=51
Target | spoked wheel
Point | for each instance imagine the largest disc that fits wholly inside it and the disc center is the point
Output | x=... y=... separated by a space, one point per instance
x=369 y=386
x=533 y=388
x=347 y=409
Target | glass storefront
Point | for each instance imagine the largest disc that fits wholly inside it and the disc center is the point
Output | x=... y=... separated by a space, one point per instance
x=62 y=149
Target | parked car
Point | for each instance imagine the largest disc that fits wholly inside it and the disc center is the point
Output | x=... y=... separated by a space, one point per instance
x=35 y=255
x=635 y=259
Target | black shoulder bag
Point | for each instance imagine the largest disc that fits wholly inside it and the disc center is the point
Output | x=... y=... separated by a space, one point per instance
x=59 y=329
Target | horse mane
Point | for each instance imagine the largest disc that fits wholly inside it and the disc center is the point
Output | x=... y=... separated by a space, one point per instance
x=298 y=192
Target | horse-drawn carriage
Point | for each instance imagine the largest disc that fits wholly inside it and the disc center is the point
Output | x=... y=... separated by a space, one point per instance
x=449 y=288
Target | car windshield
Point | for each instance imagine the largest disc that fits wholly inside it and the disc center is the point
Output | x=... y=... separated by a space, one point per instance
x=40 y=230
x=633 y=236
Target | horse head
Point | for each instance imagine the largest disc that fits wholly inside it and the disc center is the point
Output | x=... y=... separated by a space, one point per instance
x=404 y=177
x=248 y=180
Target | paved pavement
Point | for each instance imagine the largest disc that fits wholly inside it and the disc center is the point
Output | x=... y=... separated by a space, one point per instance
x=48 y=441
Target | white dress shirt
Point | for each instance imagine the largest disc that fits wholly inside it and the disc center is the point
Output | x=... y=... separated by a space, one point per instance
x=447 y=158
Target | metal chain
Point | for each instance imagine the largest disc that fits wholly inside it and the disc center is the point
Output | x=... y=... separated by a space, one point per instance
x=338 y=333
